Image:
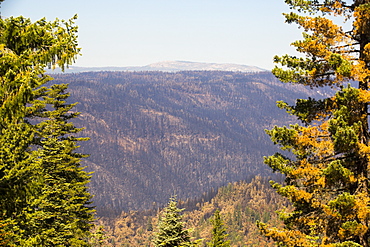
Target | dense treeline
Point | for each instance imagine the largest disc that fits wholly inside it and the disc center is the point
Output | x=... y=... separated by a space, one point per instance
x=155 y=133
x=240 y=205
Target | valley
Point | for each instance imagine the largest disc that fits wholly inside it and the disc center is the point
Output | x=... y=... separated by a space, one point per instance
x=155 y=134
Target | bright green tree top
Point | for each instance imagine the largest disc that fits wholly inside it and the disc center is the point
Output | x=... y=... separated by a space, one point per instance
x=219 y=234
x=44 y=199
x=171 y=231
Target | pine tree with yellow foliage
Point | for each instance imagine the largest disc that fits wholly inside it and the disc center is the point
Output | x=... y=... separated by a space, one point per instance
x=327 y=175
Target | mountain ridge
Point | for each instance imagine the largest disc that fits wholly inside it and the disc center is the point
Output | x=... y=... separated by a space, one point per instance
x=169 y=66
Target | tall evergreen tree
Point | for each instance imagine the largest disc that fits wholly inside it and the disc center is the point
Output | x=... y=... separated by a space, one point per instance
x=327 y=175
x=219 y=234
x=171 y=230
x=43 y=197
x=62 y=216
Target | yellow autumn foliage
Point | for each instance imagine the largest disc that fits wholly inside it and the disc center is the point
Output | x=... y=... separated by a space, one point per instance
x=329 y=168
x=316 y=138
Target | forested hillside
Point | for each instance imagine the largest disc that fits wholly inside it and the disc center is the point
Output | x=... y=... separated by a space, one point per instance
x=240 y=204
x=154 y=134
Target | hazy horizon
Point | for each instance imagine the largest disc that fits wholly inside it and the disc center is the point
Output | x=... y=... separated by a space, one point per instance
x=137 y=33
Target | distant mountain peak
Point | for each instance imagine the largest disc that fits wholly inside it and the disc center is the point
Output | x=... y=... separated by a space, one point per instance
x=186 y=65
x=171 y=66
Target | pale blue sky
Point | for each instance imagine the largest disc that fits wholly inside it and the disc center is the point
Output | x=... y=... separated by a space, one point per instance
x=140 y=32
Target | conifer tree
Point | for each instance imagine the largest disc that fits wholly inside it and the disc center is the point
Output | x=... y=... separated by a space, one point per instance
x=327 y=173
x=171 y=231
x=43 y=199
x=219 y=234
x=63 y=214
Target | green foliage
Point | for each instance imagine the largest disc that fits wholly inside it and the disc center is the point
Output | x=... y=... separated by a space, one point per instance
x=44 y=199
x=171 y=232
x=98 y=237
x=219 y=234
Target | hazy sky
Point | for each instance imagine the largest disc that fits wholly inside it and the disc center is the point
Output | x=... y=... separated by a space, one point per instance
x=140 y=32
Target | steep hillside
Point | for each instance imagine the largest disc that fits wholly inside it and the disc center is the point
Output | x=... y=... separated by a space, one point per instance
x=154 y=134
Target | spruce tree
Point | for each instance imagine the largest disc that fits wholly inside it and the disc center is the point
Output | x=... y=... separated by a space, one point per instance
x=171 y=230
x=327 y=172
x=63 y=214
x=44 y=201
x=219 y=234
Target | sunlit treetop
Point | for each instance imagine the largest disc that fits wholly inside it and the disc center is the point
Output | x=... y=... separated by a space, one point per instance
x=42 y=42
x=335 y=46
x=26 y=49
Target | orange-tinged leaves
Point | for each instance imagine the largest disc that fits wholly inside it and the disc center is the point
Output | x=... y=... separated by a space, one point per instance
x=328 y=180
x=362 y=19
x=295 y=194
x=359 y=72
x=364 y=150
x=290 y=238
x=362 y=206
x=317 y=139
x=323 y=28
x=366 y=52
x=364 y=96
x=335 y=8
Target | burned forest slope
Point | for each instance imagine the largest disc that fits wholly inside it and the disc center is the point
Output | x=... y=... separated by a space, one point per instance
x=155 y=134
